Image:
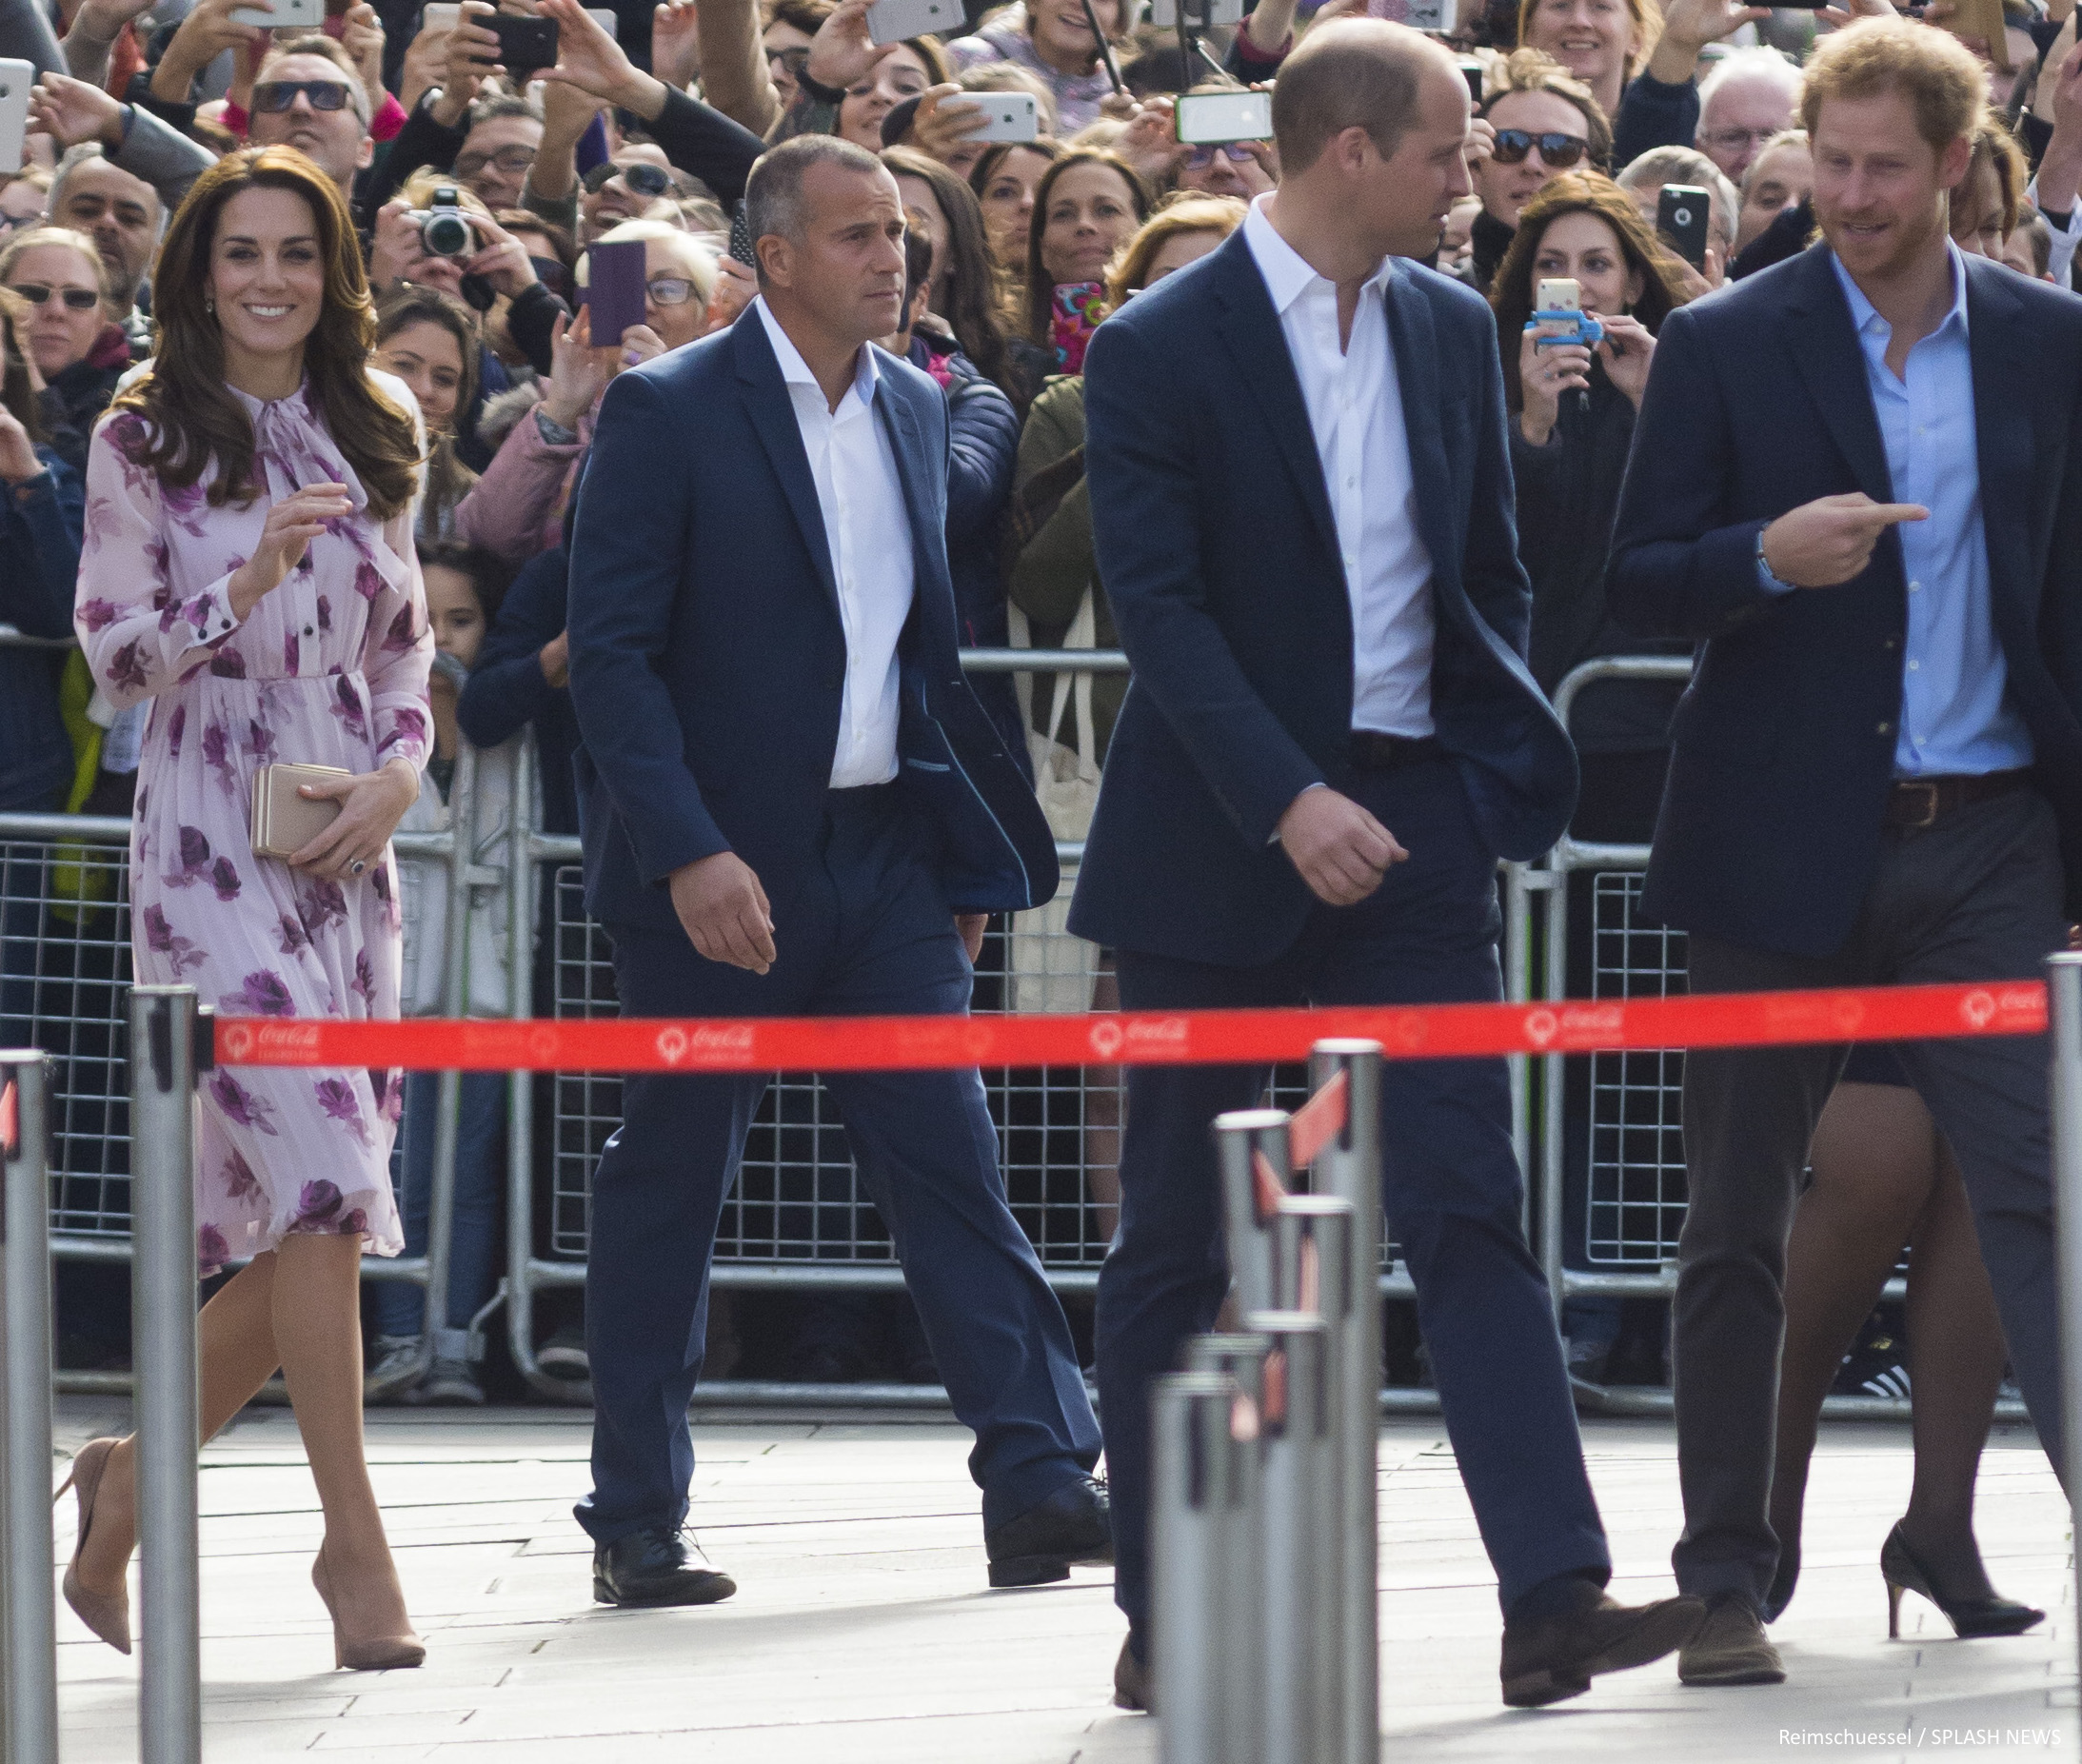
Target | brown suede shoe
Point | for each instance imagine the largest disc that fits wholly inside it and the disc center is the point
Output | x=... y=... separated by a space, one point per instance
x=1730 y=1646
x=1131 y=1682
x=1557 y=1657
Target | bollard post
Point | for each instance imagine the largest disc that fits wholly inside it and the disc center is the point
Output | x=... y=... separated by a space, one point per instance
x=2064 y=1004
x=1195 y=1454
x=1243 y=1358
x=1349 y=1167
x=1252 y=1148
x=1312 y=1264
x=29 y=1712
x=164 y=1022
x=1294 y=1426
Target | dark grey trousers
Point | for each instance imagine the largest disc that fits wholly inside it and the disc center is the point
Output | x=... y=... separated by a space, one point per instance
x=1976 y=897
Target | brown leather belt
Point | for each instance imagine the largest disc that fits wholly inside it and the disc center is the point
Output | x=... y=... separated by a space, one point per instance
x=1916 y=803
x=1371 y=751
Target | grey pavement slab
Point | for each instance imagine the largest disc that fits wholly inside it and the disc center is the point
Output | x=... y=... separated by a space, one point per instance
x=864 y=1631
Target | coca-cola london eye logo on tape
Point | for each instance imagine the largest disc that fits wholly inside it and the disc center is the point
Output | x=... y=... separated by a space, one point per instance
x=725 y=1044
x=1111 y=1037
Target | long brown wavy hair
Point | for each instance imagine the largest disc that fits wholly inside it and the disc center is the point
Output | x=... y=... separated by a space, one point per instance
x=1580 y=192
x=971 y=287
x=1040 y=289
x=191 y=414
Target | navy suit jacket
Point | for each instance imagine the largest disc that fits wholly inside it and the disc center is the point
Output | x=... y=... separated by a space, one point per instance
x=707 y=656
x=1217 y=545
x=1784 y=743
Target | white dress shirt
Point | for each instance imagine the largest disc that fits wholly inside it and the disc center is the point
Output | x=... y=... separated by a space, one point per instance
x=1354 y=409
x=869 y=533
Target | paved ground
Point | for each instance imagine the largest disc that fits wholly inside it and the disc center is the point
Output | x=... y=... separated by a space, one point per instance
x=864 y=1634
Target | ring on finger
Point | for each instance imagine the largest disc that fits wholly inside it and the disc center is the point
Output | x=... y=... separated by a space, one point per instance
x=357 y=865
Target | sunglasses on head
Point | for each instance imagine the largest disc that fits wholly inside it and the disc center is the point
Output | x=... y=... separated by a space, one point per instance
x=78 y=299
x=275 y=96
x=642 y=179
x=1556 y=151
x=1200 y=158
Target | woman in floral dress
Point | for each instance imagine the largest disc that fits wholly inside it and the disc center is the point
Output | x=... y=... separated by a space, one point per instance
x=249 y=568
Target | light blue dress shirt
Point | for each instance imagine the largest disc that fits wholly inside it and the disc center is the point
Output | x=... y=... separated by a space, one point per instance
x=1953 y=719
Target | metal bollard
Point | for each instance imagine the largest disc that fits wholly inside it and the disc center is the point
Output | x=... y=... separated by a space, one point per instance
x=29 y=1712
x=2063 y=1002
x=1200 y=1476
x=163 y=1025
x=1252 y=1148
x=1243 y=1358
x=1349 y=1167
x=1312 y=1266
x=1295 y=1427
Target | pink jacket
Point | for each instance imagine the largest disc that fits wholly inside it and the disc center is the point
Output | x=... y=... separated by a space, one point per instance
x=508 y=510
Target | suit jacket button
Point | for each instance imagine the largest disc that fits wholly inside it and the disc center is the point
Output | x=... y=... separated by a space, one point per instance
x=1886 y=729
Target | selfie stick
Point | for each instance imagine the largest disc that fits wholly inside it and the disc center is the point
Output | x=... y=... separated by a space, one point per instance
x=1105 y=50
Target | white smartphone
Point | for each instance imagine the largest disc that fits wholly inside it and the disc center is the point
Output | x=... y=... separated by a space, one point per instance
x=1560 y=294
x=16 y=77
x=1164 y=14
x=438 y=16
x=1429 y=14
x=892 y=21
x=606 y=18
x=287 y=15
x=1225 y=116
x=1007 y=116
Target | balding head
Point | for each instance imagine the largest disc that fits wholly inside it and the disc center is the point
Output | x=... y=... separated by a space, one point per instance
x=1351 y=73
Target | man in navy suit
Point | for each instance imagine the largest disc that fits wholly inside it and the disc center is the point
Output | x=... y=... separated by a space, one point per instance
x=792 y=804
x=1857 y=478
x=1301 y=502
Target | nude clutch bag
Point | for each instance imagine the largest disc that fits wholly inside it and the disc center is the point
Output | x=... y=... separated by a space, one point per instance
x=285 y=822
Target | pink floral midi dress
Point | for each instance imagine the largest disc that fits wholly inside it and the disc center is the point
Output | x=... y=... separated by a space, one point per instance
x=329 y=670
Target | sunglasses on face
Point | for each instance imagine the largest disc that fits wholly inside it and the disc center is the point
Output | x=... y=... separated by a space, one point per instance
x=642 y=179
x=1556 y=151
x=511 y=160
x=76 y=299
x=1200 y=158
x=275 y=96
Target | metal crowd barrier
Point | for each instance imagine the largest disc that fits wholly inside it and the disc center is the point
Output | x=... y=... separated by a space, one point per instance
x=64 y=971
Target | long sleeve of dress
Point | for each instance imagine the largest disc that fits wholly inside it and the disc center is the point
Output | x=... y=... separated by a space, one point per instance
x=138 y=641
x=398 y=655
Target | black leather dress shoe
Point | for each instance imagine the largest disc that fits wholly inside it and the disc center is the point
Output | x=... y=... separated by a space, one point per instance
x=1072 y=1525
x=659 y=1566
x=1554 y=1657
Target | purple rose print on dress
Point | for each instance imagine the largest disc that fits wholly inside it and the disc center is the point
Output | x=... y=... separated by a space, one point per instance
x=346 y=705
x=318 y=1207
x=364 y=983
x=354 y=1223
x=336 y=1096
x=292 y=650
x=126 y=669
x=263 y=995
x=176 y=727
x=194 y=860
x=400 y=635
x=368 y=580
x=325 y=614
x=406 y=726
x=241 y=1105
x=212 y=1251
x=260 y=742
x=162 y=939
x=224 y=876
x=321 y=904
x=217 y=756
x=97 y=614
x=227 y=664
x=294 y=937
x=240 y=1183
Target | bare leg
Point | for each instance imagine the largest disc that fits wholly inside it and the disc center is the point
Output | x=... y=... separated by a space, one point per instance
x=235 y=1335
x=318 y=1329
x=1875 y=1160
x=1955 y=1361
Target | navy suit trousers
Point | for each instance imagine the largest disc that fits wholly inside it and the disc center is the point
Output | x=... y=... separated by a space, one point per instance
x=1453 y=1194
x=863 y=931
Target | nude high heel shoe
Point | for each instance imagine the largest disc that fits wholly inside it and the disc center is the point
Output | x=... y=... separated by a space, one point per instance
x=375 y=1654
x=107 y=1615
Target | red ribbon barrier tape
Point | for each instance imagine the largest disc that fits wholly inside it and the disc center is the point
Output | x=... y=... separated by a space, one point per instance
x=1194 y=1037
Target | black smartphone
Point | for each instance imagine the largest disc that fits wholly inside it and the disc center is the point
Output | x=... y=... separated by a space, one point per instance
x=526 y=45
x=1473 y=71
x=1682 y=214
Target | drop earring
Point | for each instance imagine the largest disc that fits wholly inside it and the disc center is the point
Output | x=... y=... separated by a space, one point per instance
x=210 y=304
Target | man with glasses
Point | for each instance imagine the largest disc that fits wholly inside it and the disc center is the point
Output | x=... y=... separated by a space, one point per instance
x=1748 y=98
x=1542 y=123
x=792 y=26
x=308 y=96
x=501 y=147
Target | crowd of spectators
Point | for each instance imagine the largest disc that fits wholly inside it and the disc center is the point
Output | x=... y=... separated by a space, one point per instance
x=646 y=131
